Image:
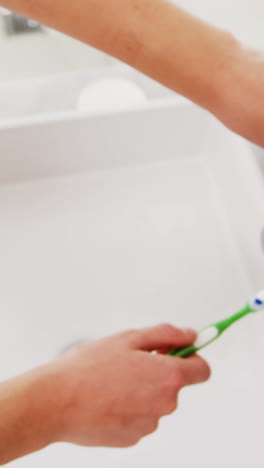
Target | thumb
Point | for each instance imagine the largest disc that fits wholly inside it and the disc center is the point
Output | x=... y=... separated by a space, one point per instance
x=161 y=336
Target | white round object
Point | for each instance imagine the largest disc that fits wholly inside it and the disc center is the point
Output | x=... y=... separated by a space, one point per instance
x=110 y=94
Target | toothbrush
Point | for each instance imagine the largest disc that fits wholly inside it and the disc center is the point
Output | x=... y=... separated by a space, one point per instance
x=212 y=332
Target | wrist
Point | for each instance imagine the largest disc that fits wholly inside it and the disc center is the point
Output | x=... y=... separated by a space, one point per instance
x=47 y=394
x=241 y=92
x=219 y=79
x=30 y=408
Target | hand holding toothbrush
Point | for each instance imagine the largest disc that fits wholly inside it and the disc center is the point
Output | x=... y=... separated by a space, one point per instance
x=109 y=393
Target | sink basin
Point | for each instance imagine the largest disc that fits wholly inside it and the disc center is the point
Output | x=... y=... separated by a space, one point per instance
x=59 y=93
x=129 y=219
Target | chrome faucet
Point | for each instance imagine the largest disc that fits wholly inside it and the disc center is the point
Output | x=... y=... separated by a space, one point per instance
x=15 y=24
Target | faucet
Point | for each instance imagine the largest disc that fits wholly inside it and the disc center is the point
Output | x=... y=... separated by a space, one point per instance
x=15 y=24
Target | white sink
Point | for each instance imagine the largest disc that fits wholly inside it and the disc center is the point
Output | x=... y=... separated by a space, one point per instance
x=126 y=220
x=59 y=93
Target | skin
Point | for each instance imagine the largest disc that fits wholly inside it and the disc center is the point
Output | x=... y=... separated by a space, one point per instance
x=110 y=393
x=204 y=63
x=114 y=391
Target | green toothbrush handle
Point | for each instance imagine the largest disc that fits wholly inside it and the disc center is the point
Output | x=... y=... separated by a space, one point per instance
x=204 y=338
x=184 y=352
x=210 y=334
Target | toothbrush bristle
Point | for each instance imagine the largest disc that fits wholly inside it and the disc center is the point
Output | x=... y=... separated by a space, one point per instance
x=260 y=296
x=258 y=302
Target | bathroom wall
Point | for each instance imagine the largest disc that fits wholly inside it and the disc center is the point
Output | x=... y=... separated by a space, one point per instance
x=38 y=54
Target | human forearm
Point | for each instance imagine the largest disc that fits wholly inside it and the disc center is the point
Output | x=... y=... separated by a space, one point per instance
x=28 y=414
x=199 y=61
x=107 y=393
x=154 y=36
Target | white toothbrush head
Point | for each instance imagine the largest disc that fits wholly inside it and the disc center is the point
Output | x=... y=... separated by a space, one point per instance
x=257 y=302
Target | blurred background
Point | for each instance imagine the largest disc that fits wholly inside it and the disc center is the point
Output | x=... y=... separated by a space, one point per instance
x=29 y=51
x=159 y=218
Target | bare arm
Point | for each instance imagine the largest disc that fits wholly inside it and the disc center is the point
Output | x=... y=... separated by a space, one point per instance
x=204 y=63
x=28 y=413
x=108 y=393
x=154 y=36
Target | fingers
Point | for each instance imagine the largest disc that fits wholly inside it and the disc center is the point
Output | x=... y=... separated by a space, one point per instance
x=177 y=373
x=161 y=336
x=163 y=350
x=191 y=371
